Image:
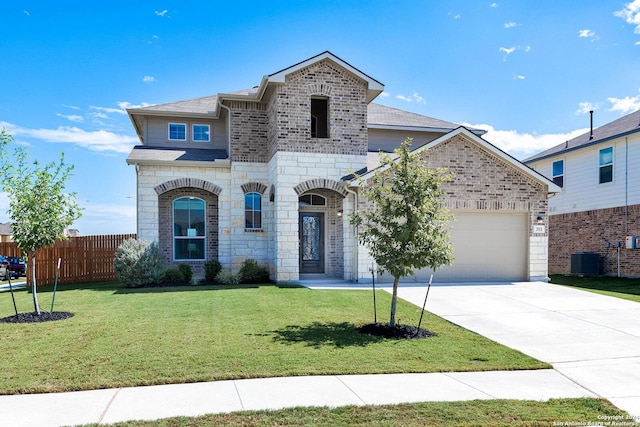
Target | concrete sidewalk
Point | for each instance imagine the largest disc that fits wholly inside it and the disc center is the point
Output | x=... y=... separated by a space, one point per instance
x=154 y=402
x=592 y=339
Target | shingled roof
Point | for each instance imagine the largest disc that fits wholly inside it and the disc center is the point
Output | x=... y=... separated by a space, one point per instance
x=621 y=127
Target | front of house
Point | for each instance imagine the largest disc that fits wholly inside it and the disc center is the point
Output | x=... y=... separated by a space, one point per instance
x=265 y=174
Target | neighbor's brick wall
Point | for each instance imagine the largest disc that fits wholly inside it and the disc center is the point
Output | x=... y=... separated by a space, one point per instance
x=290 y=112
x=588 y=231
x=165 y=226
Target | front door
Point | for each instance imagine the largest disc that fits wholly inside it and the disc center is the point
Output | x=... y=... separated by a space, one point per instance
x=311 y=229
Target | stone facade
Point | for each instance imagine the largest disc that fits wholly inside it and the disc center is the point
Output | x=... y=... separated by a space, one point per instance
x=589 y=231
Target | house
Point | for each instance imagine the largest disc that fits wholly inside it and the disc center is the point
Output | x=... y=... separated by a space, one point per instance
x=599 y=205
x=266 y=173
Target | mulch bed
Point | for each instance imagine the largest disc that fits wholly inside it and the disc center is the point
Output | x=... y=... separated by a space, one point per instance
x=398 y=331
x=44 y=316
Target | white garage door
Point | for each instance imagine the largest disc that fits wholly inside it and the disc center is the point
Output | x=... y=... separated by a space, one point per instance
x=487 y=247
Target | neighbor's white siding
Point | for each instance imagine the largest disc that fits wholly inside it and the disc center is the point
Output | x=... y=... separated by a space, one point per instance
x=582 y=191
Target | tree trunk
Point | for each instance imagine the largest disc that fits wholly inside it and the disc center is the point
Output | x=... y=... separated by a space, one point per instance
x=32 y=262
x=394 y=298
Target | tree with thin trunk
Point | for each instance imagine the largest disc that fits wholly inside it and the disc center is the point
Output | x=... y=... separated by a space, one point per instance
x=39 y=209
x=406 y=227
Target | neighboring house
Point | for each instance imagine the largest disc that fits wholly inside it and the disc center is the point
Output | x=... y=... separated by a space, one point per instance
x=6 y=232
x=266 y=173
x=599 y=205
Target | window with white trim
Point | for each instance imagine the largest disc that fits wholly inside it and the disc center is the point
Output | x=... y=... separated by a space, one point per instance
x=189 y=229
x=177 y=132
x=253 y=211
x=558 y=173
x=201 y=133
x=605 y=160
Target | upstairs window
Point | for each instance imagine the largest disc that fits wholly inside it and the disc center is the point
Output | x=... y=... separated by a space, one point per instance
x=606 y=165
x=558 y=173
x=253 y=211
x=177 y=132
x=319 y=118
x=201 y=133
x=188 y=229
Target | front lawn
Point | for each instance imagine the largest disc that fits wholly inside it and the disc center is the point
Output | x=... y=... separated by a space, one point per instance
x=618 y=287
x=126 y=337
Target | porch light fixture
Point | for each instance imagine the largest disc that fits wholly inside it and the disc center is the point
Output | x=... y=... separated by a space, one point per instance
x=339 y=213
x=539 y=220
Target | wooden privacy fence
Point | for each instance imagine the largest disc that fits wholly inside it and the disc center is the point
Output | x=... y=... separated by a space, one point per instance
x=84 y=259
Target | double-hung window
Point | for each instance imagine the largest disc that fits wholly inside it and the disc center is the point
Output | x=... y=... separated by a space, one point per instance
x=558 y=173
x=201 y=133
x=606 y=165
x=253 y=211
x=189 y=229
x=177 y=132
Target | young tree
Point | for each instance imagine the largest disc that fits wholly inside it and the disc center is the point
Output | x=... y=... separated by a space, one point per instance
x=39 y=209
x=406 y=227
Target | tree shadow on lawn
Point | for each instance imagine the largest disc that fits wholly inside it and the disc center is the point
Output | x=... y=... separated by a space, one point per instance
x=318 y=334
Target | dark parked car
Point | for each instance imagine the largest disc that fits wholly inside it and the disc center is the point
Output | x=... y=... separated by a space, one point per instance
x=17 y=266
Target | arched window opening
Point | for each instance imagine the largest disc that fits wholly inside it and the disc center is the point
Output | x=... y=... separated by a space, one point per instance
x=312 y=200
x=253 y=211
x=189 y=229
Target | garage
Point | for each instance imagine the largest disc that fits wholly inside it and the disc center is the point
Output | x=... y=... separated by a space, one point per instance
x=488 y=247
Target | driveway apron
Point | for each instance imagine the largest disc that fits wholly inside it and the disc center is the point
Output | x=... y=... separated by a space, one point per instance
x=592 y=339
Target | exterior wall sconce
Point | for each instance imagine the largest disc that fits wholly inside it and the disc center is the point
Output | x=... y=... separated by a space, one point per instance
x=340 y=213
x=539 y=220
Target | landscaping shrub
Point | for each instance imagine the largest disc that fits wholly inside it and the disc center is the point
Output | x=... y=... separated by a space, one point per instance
x=187 y=272
x=211 y=269
x=252 y=272
x=226 y=277
x=173 y=275
x=139 y=263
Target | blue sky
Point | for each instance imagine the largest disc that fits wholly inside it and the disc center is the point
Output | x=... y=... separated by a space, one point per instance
x=527 y=71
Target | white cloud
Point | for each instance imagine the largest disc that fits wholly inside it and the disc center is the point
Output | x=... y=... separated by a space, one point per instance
x=384 y=95
x=510 y=24
x=26 y=12
x=637 y=43
x=413 y=98
x=507 y=51
x=124 y=105
x=518 y=77
x=73 y=107
x=588 y=34
x=148 y=79
x=455 y=15
x=586 y=107
x=493 y=5
x=162 y=13
x=625 y=105
x=99 y=140
x=631 y=14
x=71 y=117
x=523 y=145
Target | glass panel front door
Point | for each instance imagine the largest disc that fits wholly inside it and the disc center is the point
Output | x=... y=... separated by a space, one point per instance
x=311 y=229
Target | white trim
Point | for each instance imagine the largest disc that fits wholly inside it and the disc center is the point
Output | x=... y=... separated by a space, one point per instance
x=612 y=164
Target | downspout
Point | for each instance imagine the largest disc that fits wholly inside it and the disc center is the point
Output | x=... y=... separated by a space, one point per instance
x=626 y=185
x=355 y=246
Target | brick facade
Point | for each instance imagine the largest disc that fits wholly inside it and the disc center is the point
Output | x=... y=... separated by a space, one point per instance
x=165 y=226
x=248 y=132
x=589 y=231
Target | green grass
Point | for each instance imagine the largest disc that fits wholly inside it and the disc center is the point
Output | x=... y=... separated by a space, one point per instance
x=126 y=337
x=618 y=287
x=512 y=413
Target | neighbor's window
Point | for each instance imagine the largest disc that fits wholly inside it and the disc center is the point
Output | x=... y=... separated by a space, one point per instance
x=319 y=118
x=201 y=133
x=189 y=228
x=558 y=173
x=606 y=165
x=312 y=200
x=177 y=131
x=253 y=211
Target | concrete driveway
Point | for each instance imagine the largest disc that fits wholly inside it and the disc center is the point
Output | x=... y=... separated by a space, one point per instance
x=592 y=339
